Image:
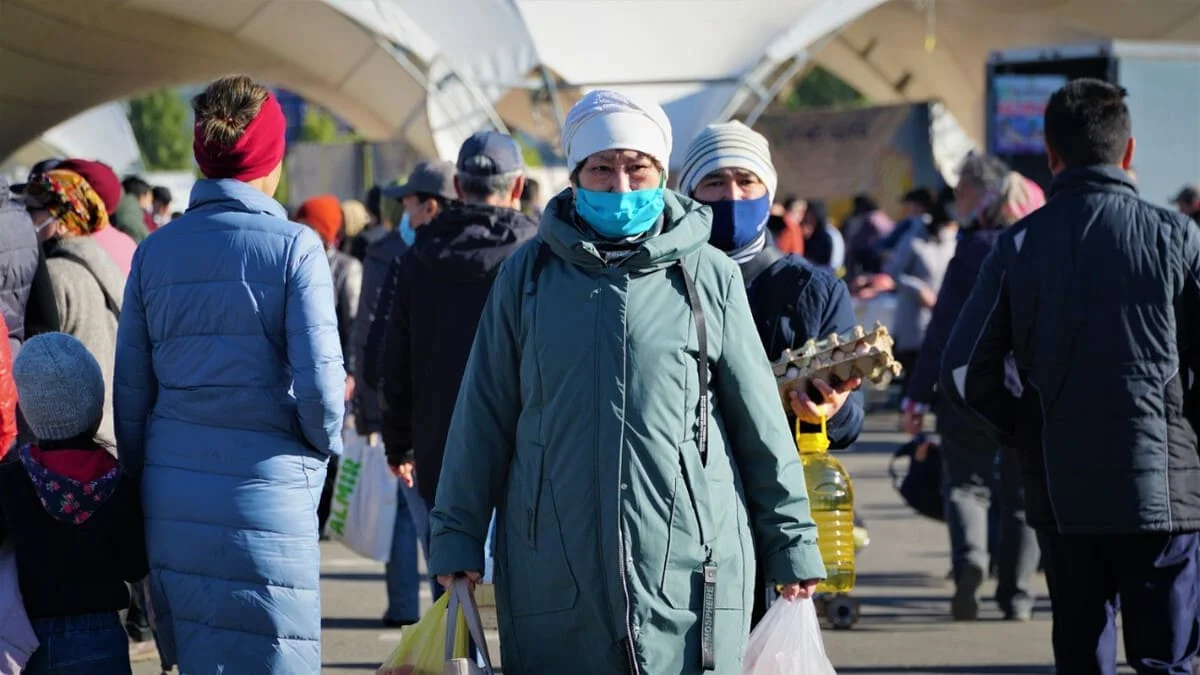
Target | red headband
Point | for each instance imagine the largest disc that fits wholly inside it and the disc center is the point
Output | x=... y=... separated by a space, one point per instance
x=254 y=155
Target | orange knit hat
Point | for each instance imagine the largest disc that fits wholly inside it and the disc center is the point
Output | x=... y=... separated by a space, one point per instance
x=323 y=214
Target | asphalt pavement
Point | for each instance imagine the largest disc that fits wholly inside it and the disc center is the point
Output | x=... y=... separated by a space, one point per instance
x=902 y=586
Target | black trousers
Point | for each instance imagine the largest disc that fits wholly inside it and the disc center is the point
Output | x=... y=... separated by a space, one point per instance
x=1152 y=579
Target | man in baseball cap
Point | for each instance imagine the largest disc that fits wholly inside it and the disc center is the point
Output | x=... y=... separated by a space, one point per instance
x=451 y=264
x=35 y=174
x=434 y=178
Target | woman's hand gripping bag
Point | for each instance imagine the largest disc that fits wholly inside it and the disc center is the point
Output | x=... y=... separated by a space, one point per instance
x=787 y=642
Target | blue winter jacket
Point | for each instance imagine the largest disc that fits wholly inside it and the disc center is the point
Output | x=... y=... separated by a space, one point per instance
x=228 y=401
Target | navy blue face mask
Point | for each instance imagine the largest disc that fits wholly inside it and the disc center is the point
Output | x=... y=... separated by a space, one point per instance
x=737 y=223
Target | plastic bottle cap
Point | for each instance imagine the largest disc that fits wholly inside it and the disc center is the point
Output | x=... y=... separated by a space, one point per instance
x=813 y=442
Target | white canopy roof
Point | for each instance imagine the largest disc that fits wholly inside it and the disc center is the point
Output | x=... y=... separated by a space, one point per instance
x=699 y=58
x=432 y=72
x=101 y=133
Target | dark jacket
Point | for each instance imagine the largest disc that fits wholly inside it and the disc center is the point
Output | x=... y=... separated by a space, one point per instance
x=793 y=301
x=974 y=245
x=20 y=258
x=371 y=235
x=370 y=323
x=75 y=523
x=440 y=291
x=1096 y=297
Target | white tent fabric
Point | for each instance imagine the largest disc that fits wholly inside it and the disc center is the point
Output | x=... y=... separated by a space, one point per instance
x=102 y=133
x=700 y=59
x=432 y=72
x=474 y=52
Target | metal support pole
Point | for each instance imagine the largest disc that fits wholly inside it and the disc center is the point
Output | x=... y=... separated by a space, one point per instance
x=800 y=61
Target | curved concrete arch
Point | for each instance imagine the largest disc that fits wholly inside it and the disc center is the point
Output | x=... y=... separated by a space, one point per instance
x=883 y=55
x=66 y=56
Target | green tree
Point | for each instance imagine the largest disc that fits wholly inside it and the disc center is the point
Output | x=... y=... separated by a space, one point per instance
x=159 y=120
x=820 y=88
x=319 y=126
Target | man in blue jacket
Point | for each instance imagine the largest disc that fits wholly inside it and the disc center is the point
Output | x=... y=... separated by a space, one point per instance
x=1092 y=303
x=728 y=168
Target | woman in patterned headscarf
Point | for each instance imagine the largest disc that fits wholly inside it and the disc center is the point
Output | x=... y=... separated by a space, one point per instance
x=88 y=285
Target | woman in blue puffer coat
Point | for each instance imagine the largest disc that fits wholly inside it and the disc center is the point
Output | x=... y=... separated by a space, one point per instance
x=228 y=399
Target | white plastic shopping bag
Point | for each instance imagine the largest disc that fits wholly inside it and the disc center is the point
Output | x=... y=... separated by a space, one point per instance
x=363 y=513
x=787 y=642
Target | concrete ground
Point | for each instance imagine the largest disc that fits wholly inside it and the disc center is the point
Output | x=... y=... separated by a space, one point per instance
x=902 y=585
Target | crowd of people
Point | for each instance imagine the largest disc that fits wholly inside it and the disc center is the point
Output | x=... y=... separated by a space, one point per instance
x=580 y=393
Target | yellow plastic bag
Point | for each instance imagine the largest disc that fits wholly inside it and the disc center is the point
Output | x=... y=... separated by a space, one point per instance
x=422 y=649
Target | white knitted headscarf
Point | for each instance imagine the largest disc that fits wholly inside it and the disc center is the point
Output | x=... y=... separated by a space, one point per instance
x=730 y=145
x=609 y=120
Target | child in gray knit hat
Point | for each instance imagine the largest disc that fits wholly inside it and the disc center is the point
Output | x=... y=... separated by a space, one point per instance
x=72 y=515
x=60 y=387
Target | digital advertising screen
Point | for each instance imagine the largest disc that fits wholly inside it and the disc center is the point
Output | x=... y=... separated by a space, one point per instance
x=1020 y=101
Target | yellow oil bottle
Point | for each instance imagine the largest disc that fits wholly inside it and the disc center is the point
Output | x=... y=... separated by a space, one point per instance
x=831 y=499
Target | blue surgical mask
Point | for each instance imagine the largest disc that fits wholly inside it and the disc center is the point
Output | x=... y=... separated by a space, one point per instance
x=620 y=215
x=407 y=233
x=737 y=223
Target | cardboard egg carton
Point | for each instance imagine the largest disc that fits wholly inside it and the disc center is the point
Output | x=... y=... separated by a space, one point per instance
x=855 y=353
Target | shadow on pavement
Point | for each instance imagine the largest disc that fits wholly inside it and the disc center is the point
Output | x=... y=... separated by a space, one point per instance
x=351 y=666
x=870 y=448
x=975 y=669
x=899 y=579
x=350 y=623
x=353 y=576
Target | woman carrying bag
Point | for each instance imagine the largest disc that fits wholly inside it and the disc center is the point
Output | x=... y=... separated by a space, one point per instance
x=619 y=412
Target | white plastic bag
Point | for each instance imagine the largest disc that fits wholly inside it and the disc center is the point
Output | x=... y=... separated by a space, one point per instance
x=787 y=642
x=363 y=513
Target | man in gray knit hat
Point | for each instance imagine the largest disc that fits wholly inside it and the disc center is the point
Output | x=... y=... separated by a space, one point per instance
x=728 y=167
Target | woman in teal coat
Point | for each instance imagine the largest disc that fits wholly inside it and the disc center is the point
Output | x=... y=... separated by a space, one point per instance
x=630 y=493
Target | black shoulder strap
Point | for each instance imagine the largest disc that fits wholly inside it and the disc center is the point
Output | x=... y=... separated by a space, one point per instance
x=760 y=263
x=702 y=362
x=539 y=261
